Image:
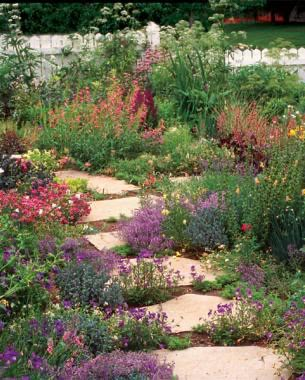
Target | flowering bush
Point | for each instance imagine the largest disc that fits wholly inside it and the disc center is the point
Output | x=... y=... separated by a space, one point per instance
x=252 y=274
x=20 y=173
x=248 y=133
x=137 y=329
x=148 y=280
x=119 y=365
x=293 y=341
x=246 y=320
x=144 y=230
x=96 y=132
x=52 y=203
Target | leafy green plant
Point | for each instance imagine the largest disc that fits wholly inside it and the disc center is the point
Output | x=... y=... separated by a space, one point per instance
x=178 y=343
x=81 y=284
x=76 y=185
x=45 y=160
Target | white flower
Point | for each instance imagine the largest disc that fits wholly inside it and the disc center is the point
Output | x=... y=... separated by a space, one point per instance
x=17 y=210
x=1 y=171
x=53 y=205
x=70 y=202
x=40 y=211
x=77 y=196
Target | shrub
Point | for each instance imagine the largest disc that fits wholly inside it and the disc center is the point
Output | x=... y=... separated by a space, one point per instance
x=81 y=284
x=292 y=342
x=42 y=160
x=177 y=343
x=144 y=230
x=76 y=185
x=119 y=365
x=148 y=280
x=206 y=229
x=138 y=329
x=11 y=143
x=44 y=204
x=98 y=132
x=247 y=320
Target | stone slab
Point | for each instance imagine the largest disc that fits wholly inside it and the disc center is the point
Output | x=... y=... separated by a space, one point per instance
x=225 y=363
x=100 y=183
x=102 y=210
x=105 y=240
x=187 y=311
x=184 y=266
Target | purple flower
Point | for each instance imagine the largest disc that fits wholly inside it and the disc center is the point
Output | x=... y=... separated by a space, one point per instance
x=59 y=327
x=9 y=356
x=47 y=246
x=252 y=274
x=120 y=364
x=145 y=254
x=7 y=254
x=2 y=324
x=36 y=362
x=67 y=304
x=144 y=230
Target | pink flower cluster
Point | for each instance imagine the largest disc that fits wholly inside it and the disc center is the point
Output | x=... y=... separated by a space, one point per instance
x=52 y=203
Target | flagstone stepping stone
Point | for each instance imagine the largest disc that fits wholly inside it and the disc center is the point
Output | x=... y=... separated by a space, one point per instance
x=105 y=240
x=225 y=363
x=184 y=266
x=187 y=311
x=112 y=208
x=100 y=183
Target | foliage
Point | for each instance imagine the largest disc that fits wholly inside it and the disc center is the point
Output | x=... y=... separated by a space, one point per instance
x=206 y=229
x=195 y=71
x=272 y=87
x=94 y=134
x=119 y=365
x=148 y=280
x=177 y=343
x=76 y=185
x=247 y=320
x=45 y=160
x=18 y=65
x=51 y=203
x=139 y=330
x=81 y=284
x=292 y=342
x=11 y=143
x=144 y=230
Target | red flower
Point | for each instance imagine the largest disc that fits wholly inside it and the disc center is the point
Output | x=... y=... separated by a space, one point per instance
x=246 y=227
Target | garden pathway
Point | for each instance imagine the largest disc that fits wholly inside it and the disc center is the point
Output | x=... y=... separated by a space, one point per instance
x=225 y=363
x=100 y=183
x=186 y=311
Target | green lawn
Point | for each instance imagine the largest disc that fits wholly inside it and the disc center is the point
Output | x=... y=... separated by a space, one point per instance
x=261 y=35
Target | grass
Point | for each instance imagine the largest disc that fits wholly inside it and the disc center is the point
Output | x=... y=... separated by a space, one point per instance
x=261 y=35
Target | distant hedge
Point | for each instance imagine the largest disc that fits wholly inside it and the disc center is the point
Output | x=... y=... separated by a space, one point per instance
x=39 y=18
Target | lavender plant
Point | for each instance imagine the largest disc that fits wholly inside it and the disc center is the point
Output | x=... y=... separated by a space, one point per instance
x=144 y=230
x=122 y=365
x=246 y=320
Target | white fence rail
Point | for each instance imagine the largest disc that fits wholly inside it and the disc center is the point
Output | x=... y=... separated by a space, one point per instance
x=53 y=47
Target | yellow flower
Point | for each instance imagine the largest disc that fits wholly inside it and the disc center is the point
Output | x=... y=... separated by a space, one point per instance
x=184 y=221
x=303 y=192
x=237 y=191
x=288 y=198
x=275 y=182
x=4 y=302
x=164 y=212
x=164 y=196
x=178 y=254
x=292 y=133
x=256 y=180
x=262 y=165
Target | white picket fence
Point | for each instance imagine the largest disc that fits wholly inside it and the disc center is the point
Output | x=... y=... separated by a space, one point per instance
x=52 y=49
